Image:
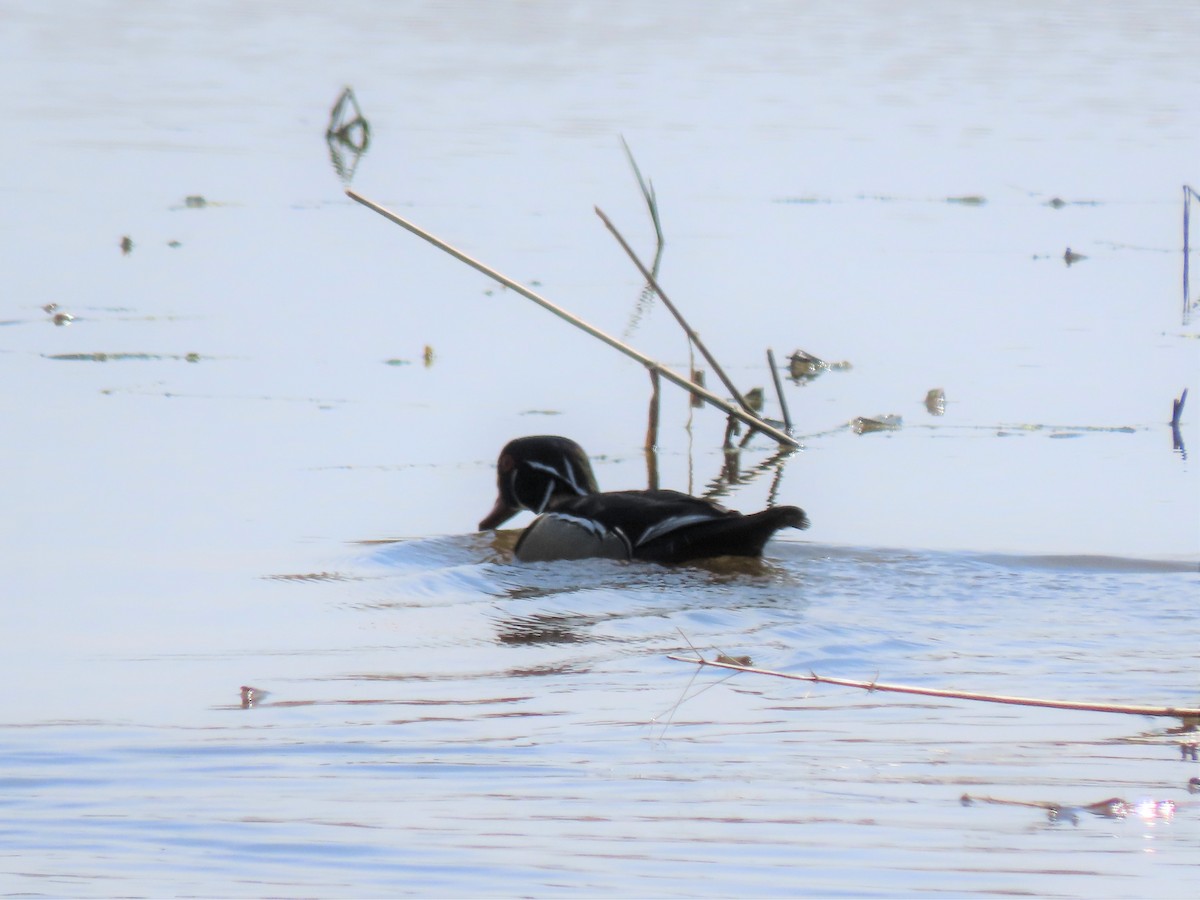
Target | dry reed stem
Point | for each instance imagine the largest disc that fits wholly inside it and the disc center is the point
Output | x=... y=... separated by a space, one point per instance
x=787 y=419
x=667 y=373
x=1177 y=712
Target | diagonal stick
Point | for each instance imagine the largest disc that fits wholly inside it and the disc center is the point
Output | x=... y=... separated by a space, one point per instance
x=1178 y=712
x=667 y=373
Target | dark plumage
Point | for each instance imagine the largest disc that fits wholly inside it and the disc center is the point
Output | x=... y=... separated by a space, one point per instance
x=551 y=476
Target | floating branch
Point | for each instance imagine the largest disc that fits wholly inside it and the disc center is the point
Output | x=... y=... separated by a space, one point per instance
x=688 y=330
x=1187 y=714
x=667 y=373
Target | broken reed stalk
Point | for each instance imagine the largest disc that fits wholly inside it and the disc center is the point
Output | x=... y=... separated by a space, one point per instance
x=667 y=373
x=787 y=419
x=1177 y=712
x=688 y=330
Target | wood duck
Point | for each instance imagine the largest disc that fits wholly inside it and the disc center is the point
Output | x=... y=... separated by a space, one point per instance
x=552 y=477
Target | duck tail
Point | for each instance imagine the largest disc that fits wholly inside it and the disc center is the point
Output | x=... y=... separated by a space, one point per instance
x=727 y=536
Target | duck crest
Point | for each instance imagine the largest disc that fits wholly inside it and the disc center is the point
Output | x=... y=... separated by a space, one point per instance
x=551 y=476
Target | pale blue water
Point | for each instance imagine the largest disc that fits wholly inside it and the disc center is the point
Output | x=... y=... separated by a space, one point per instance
x=210 y=506
x=498 y=730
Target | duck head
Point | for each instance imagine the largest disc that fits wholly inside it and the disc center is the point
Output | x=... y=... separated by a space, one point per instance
x=534 y=472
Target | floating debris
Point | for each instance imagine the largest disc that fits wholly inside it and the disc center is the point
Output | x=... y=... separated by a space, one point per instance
x=935 y=402
x=1070 y=257
x=804 y=366
x=397 y=362
x=195 y=201
x=968 y=200
x=1059 y=203
x=866 y=425
x=1112 y=808
x=734 y=660
x=101 y=356
x=174 y=244
x=427 y=356
x=126 y=245
x=1062 y=430
x=251 y=696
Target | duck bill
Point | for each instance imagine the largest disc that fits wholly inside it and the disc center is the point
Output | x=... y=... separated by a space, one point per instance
x=500 y=514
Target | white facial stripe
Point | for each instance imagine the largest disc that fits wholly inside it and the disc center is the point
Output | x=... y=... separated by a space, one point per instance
x=546 y=498
x=571 y=477
x=567 y=477
x=666 y=526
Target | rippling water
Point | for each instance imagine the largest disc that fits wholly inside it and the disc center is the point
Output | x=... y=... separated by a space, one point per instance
x=250 y=644
x=499 y=729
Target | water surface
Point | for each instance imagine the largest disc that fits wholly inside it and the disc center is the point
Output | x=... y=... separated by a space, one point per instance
x=234 y=467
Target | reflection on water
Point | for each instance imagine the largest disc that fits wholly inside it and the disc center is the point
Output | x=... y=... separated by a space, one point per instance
x=496 y=728
x=348 y=135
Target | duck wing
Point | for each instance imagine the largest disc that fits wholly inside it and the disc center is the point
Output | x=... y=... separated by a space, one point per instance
x=731 y=535
x=657 y=526
x=557 y=535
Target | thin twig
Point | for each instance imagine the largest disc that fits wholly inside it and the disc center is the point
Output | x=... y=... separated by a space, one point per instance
x=651 y=201
x=1177 y=712
x=667 y=373
x=688 y=330
x=647 y=188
